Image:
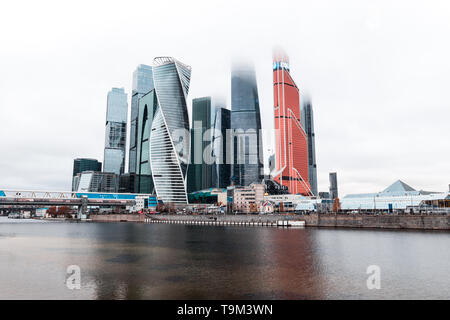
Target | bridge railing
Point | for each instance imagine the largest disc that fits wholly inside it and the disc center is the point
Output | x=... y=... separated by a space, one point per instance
x=33 y=194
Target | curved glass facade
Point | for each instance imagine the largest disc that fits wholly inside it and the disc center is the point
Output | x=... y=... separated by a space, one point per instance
x=169 y=137
x=147 y=109
x=142 y=84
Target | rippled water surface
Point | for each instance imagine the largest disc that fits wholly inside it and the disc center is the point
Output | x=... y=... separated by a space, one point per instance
x=159 y=261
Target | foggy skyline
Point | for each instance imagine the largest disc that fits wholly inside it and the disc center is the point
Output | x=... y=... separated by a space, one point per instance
x=377 y=74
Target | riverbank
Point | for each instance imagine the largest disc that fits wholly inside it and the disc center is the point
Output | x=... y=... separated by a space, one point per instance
x=117 y=217
x=414 y=222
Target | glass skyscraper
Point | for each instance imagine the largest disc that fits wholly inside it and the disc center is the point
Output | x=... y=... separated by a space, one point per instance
x=200 y=171
x=333 y=185
x=116 y=131
x=142 y=84
x=169 y=138
x=147 y=108
x=248 y=164
x=222 y=167
x=308 y=125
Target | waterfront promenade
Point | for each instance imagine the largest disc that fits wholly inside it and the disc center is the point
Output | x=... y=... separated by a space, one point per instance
x=370 y=221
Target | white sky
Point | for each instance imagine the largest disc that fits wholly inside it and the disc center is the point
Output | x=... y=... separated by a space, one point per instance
x=378 y=74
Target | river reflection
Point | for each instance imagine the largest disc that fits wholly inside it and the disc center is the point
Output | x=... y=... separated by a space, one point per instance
x=159 y=261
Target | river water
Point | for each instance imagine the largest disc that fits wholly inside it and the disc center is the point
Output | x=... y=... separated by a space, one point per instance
x=166 y=261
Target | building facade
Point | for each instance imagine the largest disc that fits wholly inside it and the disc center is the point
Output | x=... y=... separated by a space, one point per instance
x=291 y=146
x=147 y=108
x=221 y=145
x=142 y=84
x=248 y=162
x=200 y=168
x=308 y=126
x=398 y=197
x=246 y=199
x=116 y=131
x=91 y=181
x=127 y=182
x=170 y=138
x=84 y=164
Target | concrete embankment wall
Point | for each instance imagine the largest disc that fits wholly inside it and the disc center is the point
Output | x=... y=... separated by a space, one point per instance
x=117 y=217
x=421 y=222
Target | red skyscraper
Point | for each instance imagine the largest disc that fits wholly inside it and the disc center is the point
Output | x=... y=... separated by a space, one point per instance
x=291 y=147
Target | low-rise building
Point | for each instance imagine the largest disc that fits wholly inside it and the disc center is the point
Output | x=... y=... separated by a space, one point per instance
x=397 y=197
x=245 y=199
x=91 y=181
x=285 y=198
x=267 y=207
x=211 y=196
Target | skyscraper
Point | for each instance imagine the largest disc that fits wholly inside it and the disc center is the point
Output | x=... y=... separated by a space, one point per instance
x=221 y=152
x=200 y=171
x=142 y=84
x=147 y=108
x=84 y=164
x=248 y=164
x=291 y=146
x=333 y=185
x=308 y=125
x=169 y=138
x=116 y=131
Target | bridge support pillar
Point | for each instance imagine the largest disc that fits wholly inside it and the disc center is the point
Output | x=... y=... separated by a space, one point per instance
x=83 y=212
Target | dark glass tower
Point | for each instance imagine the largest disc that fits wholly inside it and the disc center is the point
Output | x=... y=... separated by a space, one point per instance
x=308 y=125
x=200 y=169
x=85 y=164
x=142 y=84
x=333 y=185
x=221 y=152
x=147 y=108
x=248 y=166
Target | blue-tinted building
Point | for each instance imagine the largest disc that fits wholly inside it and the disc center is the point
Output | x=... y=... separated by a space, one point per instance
x=116 y=131
x=142 y=84
x=248 y=165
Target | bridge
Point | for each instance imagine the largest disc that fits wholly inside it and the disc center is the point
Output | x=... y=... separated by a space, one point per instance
x=82 y=200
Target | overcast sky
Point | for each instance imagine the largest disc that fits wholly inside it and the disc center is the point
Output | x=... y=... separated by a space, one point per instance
x=378 y=74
